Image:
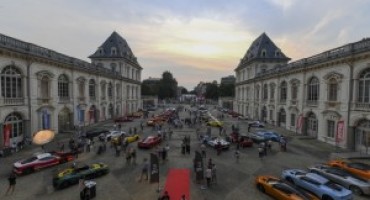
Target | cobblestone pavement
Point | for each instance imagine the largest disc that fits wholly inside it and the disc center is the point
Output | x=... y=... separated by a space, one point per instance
x=235 y=179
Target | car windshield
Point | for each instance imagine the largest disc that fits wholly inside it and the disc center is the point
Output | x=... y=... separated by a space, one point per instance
x=29 y=160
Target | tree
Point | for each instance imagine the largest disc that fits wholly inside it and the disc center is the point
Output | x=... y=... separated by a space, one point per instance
x=212 y=90
x=184 y=91
x=167 y=86
x=227 y=90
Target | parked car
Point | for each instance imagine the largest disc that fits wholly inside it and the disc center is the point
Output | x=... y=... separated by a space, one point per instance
x=242 y=117
x=40 y=161
x=149 y=142
x=278 y=189
x=215 y=123
x=72 y=175
x=360 y=169
x=96 y=132
x=112 y=134
x=257 y=124
x=320 y=186
x=357 y=185
x=213 y=141
x=123 y=119
x=263 y=136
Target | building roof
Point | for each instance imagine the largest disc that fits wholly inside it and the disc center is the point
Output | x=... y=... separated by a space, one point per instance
x=114 y=41
x=264 y=48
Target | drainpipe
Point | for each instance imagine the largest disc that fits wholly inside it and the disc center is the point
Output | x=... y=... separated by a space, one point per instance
x=29 y=62
x=350 y=94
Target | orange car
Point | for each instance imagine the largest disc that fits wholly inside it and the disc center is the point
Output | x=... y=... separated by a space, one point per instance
x=281 y=190
x=359 y=169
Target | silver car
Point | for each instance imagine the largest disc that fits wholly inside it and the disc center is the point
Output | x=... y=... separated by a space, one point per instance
x=355 y=184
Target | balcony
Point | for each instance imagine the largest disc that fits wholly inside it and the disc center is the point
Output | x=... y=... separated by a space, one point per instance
x=282 y=102
x=313 y=103
x=43 y=100
x=12 y=101
x=293 y=102
x=64 y=100
x=332 y=104
x=362 y=106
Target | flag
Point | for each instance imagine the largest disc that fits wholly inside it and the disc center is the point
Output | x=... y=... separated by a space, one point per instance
x=340 y=131
x=154 y=168
x=7 y=132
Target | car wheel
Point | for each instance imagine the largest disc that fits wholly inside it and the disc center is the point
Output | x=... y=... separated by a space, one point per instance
x=326 y=197
x=356 y=190
x=260 y=188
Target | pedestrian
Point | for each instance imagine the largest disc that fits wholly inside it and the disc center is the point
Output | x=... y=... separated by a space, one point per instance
x=164 y=154
x=269 y=145
x=118 y=149
x=183 y=146
x=210 y=163
x=249 y=127
x=133 y=155
x=220 y=130
x=12 y=181
x=218 y=148
x=237 y=155
x=260 y=152
x=169 y=133
x=144 y=169
x=282 y=144
x=203 y=150
x=141 y=126
x=135 y=130
x=88 y=145
x=61 y=146
x=263 y=146
x=128 y=157
x=209 y=176
x=165 y=196
x=214 y=175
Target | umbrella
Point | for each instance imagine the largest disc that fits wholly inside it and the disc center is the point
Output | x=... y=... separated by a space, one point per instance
x=43 y=137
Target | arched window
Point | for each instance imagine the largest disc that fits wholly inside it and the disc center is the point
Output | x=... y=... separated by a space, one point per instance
x=11 y=83
x=110 y=90
x=15 y=123
x=265 y=92
x=81 y=89
x=103 y=89
x=294 y=91
x=283 y=91
x=333 y=89
x=45 y=87
x=263 y=53
x=313 y=89
x=92 y=94
x=282 y=116
x=63 y=86
x=113 y=67
x=364 y=87
x=257 y=93
x=272 y=91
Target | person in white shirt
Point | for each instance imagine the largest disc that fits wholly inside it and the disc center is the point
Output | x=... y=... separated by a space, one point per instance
x=208 y=176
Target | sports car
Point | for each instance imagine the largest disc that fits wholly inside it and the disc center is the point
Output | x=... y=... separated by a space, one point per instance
x=359 y=169
x=40 y=161
x=263 y=136
x=149 y=142
x=214 y=141
x=281 y=190
x=215 y=123
x=317 y=184
x=355 y=184
x=72 y=175
x=112 y=134
x=257 y=124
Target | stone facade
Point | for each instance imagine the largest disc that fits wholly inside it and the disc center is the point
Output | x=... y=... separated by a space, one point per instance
x=325 y=96
x=44 y=89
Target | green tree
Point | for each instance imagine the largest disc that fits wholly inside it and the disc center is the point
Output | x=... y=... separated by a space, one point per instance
x=167 y=86
x=212 y=90
x=184 y=91
x=227 y=90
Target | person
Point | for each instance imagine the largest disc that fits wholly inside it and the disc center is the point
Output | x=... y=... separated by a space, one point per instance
x=219 y=148
x=12 y=181
x=165 y=196
x=88 y=145
x=210 y=163
x=61 y=146
x=260 y=152
x=183 y=146
x=263 y=146
x=183 y=197
x=144 y=169
x=269 y=145
x=282 y=144
x=208 y=176
x=118 y=149
x=214 y=175
x=237 y=155
x=128 y=156
x=164 y=154
x=133 y=155
x=203 y=150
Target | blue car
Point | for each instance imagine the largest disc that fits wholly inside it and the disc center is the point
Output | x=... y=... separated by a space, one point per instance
x=263 y=136
x=320 y=186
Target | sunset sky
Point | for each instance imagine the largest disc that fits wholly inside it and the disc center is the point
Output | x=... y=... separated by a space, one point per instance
x=196 y=40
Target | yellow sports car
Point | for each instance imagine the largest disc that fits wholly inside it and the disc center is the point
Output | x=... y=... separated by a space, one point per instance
x=129 y=139
x=215 y=123
x=280 y=190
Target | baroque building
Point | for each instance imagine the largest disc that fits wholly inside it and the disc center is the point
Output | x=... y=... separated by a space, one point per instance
x=44 y=89
x=325 y=96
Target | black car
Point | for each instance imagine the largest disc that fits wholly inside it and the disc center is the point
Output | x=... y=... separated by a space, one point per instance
x=96 y=132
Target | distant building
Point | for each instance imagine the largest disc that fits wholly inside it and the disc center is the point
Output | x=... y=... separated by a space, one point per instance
x=228 y=80
x=325 y=96
x=44 y=89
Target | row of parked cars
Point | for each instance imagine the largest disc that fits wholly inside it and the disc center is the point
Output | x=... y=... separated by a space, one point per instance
x=335 y=180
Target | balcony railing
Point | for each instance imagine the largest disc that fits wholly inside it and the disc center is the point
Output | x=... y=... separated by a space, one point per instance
x=312 y=102
x=43 y=100
x=13 y=101
x=332 y=104
x=362 y=106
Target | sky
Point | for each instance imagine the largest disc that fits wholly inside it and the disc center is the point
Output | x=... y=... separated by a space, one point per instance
x=195 y=40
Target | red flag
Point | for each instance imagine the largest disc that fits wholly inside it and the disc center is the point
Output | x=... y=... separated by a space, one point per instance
x=7 y=132
x=340 y=131
x=300 y=121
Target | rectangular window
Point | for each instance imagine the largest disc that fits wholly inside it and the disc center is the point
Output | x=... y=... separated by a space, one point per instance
x=294 y=92
x=331 y=128
x=271 y=115
x=292 y=120
x=333 y=90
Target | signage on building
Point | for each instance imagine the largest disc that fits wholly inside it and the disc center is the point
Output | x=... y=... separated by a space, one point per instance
x=340 y=131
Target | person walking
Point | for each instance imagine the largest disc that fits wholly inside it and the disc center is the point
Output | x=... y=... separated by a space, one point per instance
x=133 y=155
x=260 y=152
x=282 y=144
x=203 y=150
x=269 y=145
x=144 y=169
x=128 y=156
x=88 y=145
x=164 y=154
x=214 y=174
x=237 y=155
x=209 y=176
x=12 y=181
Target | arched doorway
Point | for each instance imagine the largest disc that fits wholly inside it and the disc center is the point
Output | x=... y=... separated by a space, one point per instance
x=312 y=124
x=65 y=120
x=13 y=129
x=110 y=110
x=264 y=114
x=282 y=118
x=362 y=137
x=92 y=114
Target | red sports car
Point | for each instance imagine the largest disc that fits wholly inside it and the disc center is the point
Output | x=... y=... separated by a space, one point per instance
x=40 y=161
x=149 y=142
x=124 y=119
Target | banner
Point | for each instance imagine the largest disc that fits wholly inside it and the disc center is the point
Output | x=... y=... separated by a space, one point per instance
x=198 y=165
x=7 y=132
x=299 y=121
x=340 y=131
x=154 y=168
